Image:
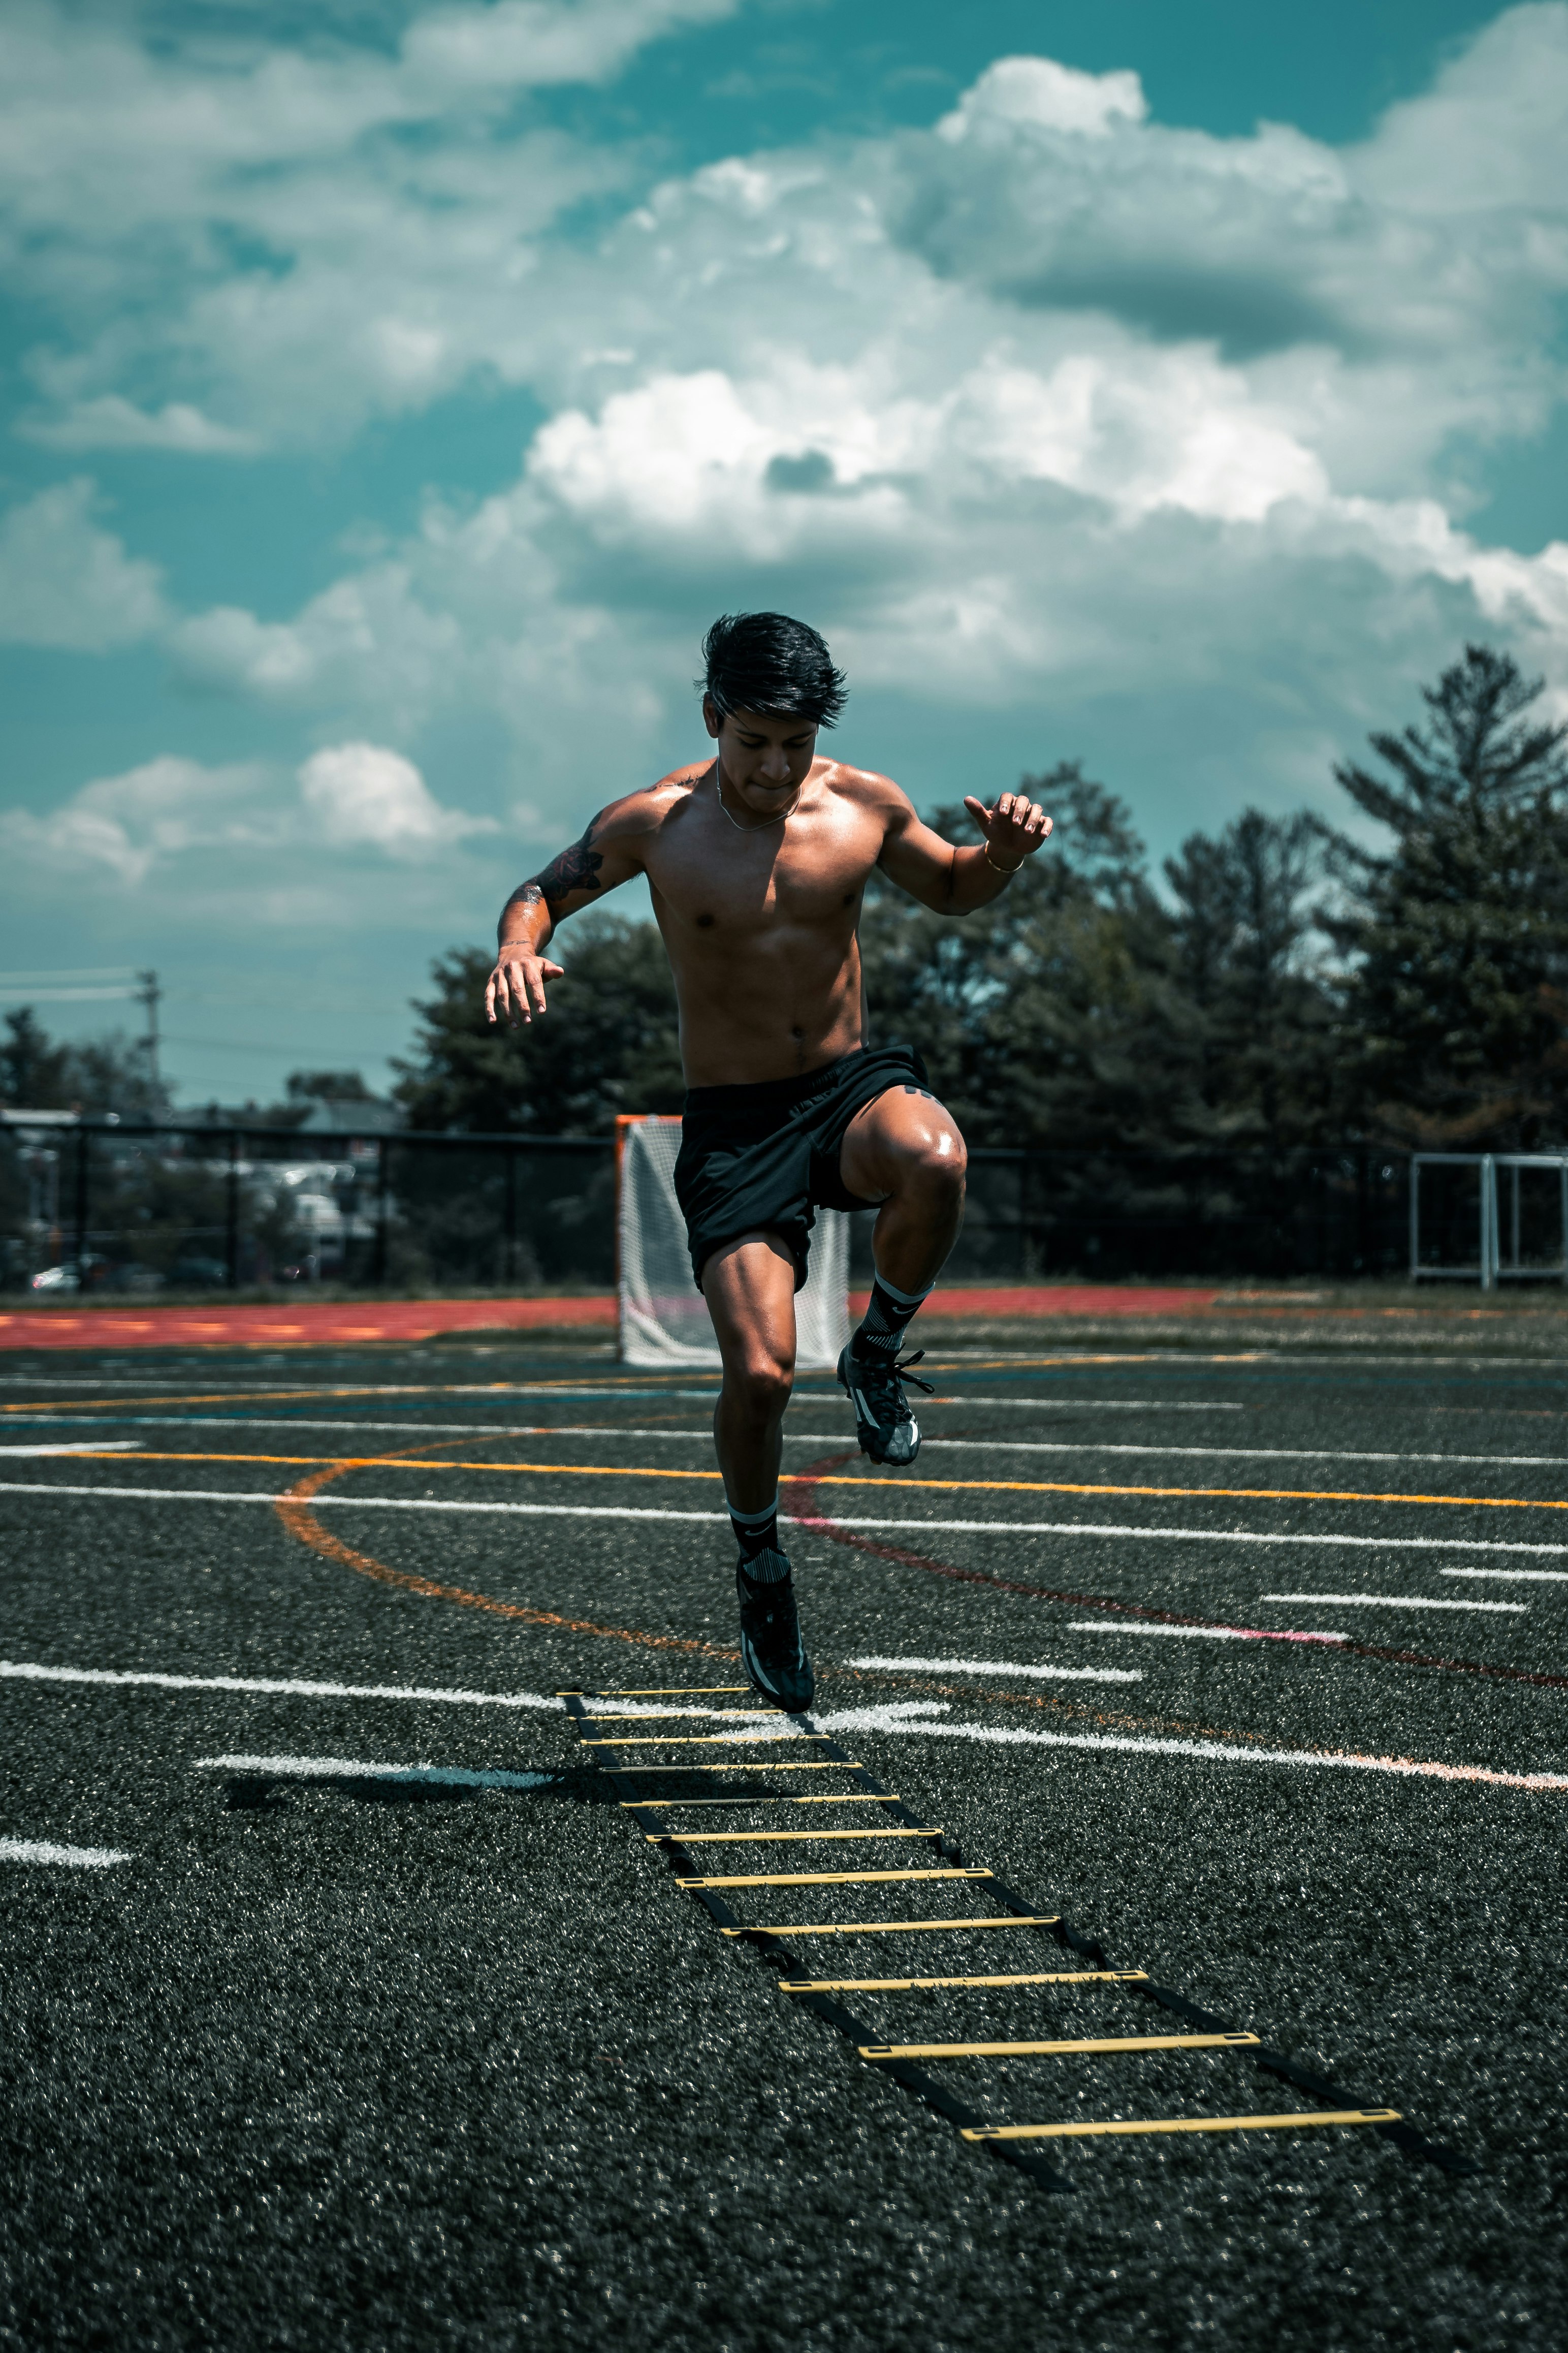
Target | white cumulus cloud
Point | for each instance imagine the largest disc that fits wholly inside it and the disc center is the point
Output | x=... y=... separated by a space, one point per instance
x=66 y=582
x=112 y=422
x=1050 y=411
x=126 y=823
x=363 y=795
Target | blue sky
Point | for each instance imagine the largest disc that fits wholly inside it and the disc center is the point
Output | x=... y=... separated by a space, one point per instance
x=393 y=392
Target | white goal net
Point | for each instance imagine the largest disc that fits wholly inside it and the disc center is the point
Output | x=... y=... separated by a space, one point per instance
x=663 y=1318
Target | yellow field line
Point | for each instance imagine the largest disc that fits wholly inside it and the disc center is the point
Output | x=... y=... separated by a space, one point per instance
x=944 y=1486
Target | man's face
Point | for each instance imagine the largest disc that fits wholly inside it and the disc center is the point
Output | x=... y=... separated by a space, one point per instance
x=765 y=759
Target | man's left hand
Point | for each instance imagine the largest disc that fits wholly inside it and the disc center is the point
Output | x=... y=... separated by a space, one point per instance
x=1013 y=830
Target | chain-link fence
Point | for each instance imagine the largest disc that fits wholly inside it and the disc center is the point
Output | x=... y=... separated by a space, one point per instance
x=111 y=1208
x=1111 y=1216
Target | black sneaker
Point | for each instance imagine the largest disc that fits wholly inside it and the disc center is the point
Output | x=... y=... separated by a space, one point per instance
x=771 y=1648
x=886 y=1427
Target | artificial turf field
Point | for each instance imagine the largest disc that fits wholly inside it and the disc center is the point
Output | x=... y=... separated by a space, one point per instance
x=334 y=2058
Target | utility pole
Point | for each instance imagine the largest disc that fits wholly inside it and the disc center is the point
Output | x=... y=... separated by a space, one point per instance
x=147 y=994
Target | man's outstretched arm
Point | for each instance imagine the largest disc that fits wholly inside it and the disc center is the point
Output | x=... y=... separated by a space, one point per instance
x=954 y=881
x=601 y=860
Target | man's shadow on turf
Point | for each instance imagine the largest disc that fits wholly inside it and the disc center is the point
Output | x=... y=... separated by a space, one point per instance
x=252 y=1792
x=269 y=1792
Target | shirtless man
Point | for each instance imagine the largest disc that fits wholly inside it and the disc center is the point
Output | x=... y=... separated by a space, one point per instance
x=758 y=860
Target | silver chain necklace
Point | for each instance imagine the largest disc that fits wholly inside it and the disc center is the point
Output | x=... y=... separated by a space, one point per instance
x=762 y=825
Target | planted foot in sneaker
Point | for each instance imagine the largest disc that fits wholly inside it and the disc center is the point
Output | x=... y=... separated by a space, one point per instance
x=771 y=1646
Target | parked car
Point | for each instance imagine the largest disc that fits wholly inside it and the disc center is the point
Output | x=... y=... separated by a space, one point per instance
x=128 y=1275
x=197 y=1274
x=56 y=1278
x=69 y=1273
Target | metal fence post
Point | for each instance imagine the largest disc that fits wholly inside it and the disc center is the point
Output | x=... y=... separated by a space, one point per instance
x=1488 y=1222
x=231 y=1234
x=81 y=1183
x=1414 y=1217
x=509 y=1252
x=382 y=1157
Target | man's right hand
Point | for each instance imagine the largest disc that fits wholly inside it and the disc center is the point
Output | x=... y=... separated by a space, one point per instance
x=515 y=989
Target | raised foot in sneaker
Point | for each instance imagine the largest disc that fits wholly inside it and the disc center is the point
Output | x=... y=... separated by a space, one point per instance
x=771 y=1647
x=886 y=1427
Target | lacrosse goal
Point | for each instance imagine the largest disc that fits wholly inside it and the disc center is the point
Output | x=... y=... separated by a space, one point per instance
x=662 y=1318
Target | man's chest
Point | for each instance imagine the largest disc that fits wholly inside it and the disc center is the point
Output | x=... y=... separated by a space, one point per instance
x=808 y=869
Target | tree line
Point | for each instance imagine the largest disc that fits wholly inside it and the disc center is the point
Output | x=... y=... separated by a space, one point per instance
x=1289 y=985
x=1286 y=982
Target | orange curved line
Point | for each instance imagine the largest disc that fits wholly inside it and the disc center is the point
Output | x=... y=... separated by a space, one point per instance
x=293 y=1510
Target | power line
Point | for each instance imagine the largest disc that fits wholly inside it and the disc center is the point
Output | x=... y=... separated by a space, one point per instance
x=238 y=1045
x=34 y=995
x=31 y=974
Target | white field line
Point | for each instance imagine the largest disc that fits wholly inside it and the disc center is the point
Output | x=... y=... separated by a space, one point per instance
x=1191 y=1633
x=1399 y=1601
x=1211 y=1752
x=1232 y=1453
x=81 y=1858
x=703 y=1437
x=816 y=1520
x=1009 y=1667
x=87 y=1446
x=21 y=1670
x=355 y=1769
x=511 y=1394
x=1538 y=1576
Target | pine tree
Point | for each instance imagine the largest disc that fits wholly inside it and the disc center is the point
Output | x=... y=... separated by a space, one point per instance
x=1055 y=1015
x=1243 y=936
x=1456 y=1003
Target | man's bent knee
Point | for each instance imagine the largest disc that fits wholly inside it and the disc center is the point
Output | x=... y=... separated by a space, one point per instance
x=936 y=1166
x=761 y=1386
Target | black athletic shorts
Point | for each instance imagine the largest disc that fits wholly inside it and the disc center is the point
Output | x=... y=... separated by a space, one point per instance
x=765 y=1158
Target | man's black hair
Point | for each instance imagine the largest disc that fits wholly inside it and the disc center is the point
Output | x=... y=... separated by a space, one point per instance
x=766 y=662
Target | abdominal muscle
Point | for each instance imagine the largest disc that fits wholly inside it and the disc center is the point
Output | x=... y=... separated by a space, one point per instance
x=771 y=1003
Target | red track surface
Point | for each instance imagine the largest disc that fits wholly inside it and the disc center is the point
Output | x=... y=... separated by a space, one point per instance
x=312 y=1323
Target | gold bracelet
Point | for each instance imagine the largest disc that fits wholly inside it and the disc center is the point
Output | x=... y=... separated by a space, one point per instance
x=992 y=862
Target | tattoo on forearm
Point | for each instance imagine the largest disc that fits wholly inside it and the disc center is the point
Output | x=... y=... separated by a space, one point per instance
x=526 y=895
x=576 y=869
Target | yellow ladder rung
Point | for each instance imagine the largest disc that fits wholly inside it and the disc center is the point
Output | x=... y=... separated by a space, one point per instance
x=1079 y=2045
x=657 y=1805
x=896 y=1927
x=680 y=1714
x=807 y=1765
x=1184 y=2124
x=1016 y=1977
x=696 y=1739
x=825 y=1878
x=770 y=1838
